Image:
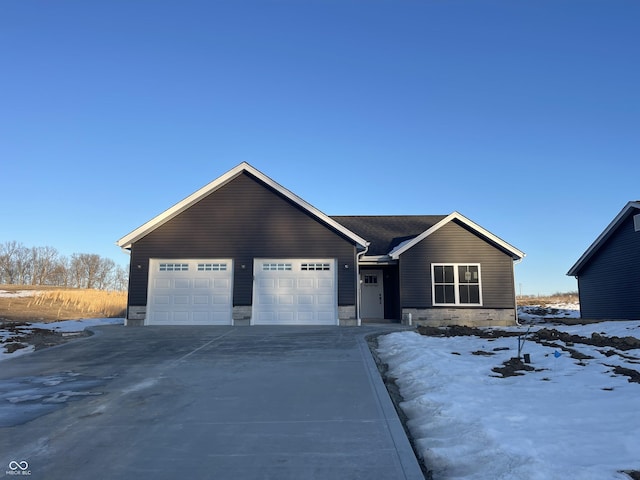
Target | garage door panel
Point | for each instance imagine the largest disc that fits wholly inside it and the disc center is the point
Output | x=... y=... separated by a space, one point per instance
x=221 y=299
x=202 y=283
x=180 y=300
x=325 y=299
x=162 y=283
x=306 y=283
x=294 y=291
x=190 y=292
x=161 y=300
x=285 y=299
x=199 y=300
x=305 y=300
x=286 y=282
x=326 y=317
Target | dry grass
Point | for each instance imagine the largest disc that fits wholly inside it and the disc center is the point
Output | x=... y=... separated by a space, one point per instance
x=569 y=297
x=101 y=302
x=55 y=304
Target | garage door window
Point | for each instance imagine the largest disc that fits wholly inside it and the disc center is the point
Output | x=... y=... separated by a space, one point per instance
x=266 y=267
x=315 y=266
x=212 y=267
x=174 y=267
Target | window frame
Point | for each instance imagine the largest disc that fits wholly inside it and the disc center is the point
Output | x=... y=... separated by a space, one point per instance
x=456 y=283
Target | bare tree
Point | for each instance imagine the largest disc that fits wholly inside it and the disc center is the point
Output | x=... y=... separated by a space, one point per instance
x=8 y=253
x=22 y=264
x=44 y=266
x=61 y=273
x=43 y=262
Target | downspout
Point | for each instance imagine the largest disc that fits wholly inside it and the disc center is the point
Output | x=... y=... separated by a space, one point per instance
x=358 y=283
x=515 y=296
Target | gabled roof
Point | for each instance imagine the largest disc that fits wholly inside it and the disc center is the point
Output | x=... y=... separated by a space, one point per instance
x=394 y=235
x=629 y=209
x=511 y=250
x=385 y=232
x=129 y=239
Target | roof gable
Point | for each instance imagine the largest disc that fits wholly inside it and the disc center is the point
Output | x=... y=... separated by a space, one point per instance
x=511 y=250
x=392 y=235
x=630 y=208
x=128 y=240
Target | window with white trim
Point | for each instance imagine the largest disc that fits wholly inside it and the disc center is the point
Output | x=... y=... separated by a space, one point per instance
x=174 y=267
x=266 y=267
x=456 y=284
x=212 y=267
x=315 y=266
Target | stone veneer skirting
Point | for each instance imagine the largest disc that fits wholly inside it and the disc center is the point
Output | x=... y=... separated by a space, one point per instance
x=474 y=317
x=242 y=315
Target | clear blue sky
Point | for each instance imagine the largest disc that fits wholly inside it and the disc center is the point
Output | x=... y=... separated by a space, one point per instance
x=523 y=116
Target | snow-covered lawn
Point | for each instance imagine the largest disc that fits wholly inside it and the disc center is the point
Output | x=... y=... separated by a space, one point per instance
x=567 y=419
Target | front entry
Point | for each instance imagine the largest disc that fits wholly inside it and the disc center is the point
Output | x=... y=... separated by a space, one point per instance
x=372 y=300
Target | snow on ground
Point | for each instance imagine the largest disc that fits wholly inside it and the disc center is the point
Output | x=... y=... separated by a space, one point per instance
x=18 y=293
x=568 y=419
x=66 y=327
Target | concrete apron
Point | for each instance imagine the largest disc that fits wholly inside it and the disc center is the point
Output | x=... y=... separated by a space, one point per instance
x=205 y=402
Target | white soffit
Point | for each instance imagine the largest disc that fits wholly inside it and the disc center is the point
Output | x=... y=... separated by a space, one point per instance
x=126 y=241
x=400 y=249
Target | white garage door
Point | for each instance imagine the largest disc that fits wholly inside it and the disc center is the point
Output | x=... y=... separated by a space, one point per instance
x=189 y=292
x=294 y=292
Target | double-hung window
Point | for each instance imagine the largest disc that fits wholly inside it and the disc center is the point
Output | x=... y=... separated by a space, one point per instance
x=456 y=284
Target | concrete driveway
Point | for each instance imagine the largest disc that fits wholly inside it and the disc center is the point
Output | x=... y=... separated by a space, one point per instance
x=203 y=402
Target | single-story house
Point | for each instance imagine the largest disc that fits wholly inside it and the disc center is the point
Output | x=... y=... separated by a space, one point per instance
x=608 y=272
x=245 y=250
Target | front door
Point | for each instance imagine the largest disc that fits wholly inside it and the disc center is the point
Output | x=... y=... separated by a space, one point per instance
x=372 y=300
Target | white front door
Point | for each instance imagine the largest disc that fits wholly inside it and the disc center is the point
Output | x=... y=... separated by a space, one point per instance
x=372 y=291
x=294 y=292
x=190 y=292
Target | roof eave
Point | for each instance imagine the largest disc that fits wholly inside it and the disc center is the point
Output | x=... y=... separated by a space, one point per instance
x=593 y=248
x=513 y=252
x=128 y=240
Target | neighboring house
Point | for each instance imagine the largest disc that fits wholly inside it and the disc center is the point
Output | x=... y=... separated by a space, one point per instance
x=608 y=272
x=245 y=250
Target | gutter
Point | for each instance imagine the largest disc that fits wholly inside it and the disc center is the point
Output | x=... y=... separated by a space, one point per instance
x=358 y=283
x=515 y=296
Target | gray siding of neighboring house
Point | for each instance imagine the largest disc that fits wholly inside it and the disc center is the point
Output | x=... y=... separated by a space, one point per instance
x=609 y=283
x=453 y=243
x=243 y=220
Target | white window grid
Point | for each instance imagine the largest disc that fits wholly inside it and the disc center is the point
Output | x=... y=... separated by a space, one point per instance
x=174 y=267
x=267 y=267
x=212 y=267
x=315 y=267
x=457 y=282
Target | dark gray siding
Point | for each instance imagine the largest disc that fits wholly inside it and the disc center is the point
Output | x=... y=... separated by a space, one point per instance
x=609 y=283
x=243 y=220
x=453 y=243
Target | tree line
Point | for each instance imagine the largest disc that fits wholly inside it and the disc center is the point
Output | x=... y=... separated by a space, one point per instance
x=21 y=265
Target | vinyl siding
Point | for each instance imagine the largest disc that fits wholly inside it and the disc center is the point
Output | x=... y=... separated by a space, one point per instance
x=609 y=283
x=453 y=243
x=243 y=220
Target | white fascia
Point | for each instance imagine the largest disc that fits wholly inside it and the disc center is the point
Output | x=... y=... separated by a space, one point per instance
x=129 y=239
x=515 y=253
